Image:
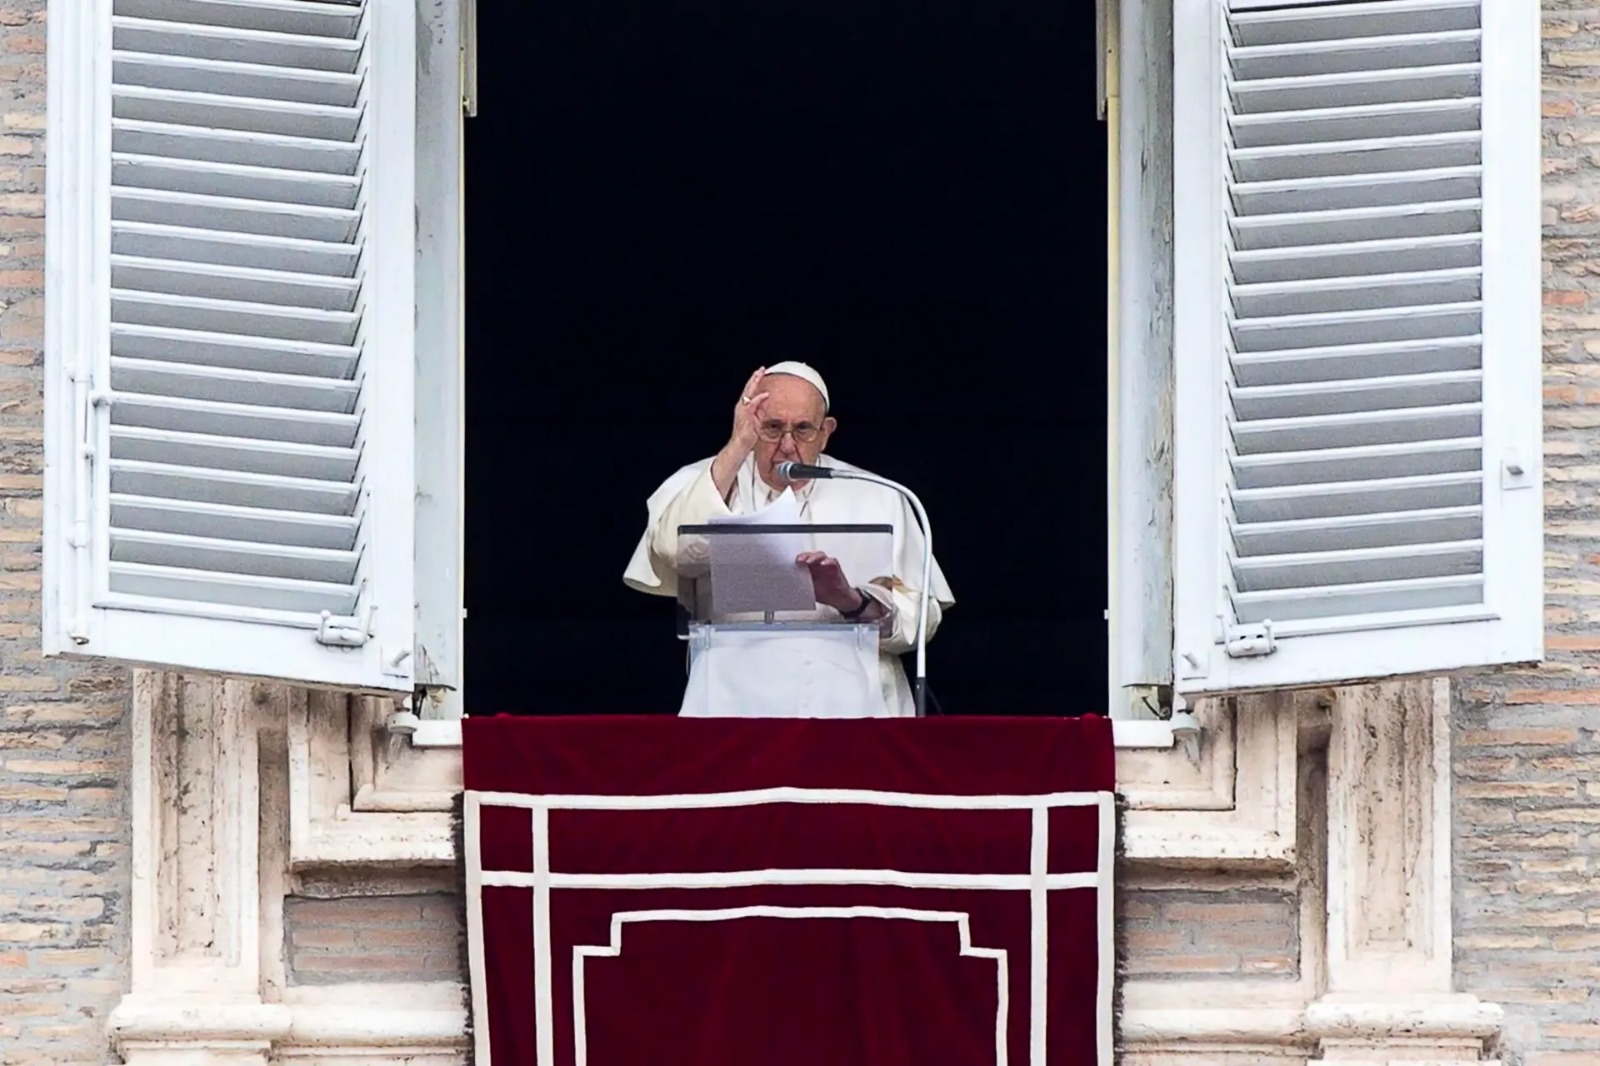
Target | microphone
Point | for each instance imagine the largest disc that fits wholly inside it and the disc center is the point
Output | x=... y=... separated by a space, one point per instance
x=791 y=471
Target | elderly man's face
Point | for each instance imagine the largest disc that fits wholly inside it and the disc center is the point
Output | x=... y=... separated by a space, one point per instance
x=794 y=425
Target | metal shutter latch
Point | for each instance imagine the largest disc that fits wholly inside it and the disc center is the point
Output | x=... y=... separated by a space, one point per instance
x=345 y=632
x=1250 y=641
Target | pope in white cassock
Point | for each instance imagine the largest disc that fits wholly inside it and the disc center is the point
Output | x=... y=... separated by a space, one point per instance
x=782 y=415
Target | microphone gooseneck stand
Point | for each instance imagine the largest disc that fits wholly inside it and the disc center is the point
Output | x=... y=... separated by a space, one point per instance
x=801 y=472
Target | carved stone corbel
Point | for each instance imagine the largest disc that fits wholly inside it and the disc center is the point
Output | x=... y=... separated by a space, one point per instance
x=358 y=797
x=1235 y=807
x=389 y=774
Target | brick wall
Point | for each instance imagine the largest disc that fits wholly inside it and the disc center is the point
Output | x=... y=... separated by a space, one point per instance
x=63 y=733
x=1527 y=743
x=378 y=938
x=1175 y=931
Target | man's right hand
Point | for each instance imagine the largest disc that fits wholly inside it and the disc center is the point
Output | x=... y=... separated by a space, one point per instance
x=748 y=412
x=747 y=415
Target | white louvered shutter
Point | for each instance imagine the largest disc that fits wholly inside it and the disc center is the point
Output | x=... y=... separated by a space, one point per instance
x=230 y=350
x=1357 y=485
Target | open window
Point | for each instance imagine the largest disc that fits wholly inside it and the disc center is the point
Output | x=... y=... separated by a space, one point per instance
x=908 y=195
x=1323 y=391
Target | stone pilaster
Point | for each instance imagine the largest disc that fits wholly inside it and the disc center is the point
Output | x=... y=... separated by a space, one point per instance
x=1389 y=992
x=195 y=792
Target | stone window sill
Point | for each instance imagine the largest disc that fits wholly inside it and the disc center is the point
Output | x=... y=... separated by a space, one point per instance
x=1129 y=735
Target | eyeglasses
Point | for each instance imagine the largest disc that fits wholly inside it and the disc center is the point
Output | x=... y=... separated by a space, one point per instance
x=802 y=432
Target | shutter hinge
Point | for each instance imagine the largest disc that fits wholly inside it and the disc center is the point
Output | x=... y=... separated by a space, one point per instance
x=348 y=632
x=1249 y=642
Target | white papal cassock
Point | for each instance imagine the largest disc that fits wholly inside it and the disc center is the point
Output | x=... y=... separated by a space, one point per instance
x=689 y=497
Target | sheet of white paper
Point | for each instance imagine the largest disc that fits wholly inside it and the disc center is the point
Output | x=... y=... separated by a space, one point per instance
x=756 y=570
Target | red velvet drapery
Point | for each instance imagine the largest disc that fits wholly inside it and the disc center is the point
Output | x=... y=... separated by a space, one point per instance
x=700 y=892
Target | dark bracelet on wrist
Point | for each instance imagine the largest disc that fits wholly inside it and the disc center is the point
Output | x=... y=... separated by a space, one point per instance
x=866 y=602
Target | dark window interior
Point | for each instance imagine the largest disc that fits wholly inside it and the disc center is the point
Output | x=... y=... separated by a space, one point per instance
x=661 y=197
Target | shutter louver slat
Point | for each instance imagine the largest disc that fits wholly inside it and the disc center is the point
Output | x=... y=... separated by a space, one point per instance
x=232 y=589
x=1306 y=261
x=1318 y=604
x=237 y=557
x=1355 y=292
x=239 y=114
x=130 y=137
x=337 y=19
x=1322 y=20
x=238 y=151
x=1346 y=498
x=1341 y=159
x=1276 y=128
x=284 y=424
x=134 y=308
x=1359 y=566
x=234 y=453
x=1400 y=222
x=272 y=184
x=1357 y=88
x=229 y=522
x=282 y=255
x=1400 y=426
x=198 y=40
x=1260 y=337
x=1358 y=531
x=207 y=280
x=1290 y=366
x=240 y=353
x=1342 y=464
x=1300 y=398
x=1355 y=191
x=268 y=561
x=1359 y=44
x=1355 y=385
x=292 y=221
x=250 y=80
x=184 y=381
x=233 y=487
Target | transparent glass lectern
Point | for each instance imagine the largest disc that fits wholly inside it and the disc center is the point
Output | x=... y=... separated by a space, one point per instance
x=760 y=646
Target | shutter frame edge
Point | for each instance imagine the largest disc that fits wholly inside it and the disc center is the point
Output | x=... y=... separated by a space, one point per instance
x=440 y=356
x=77 y=298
